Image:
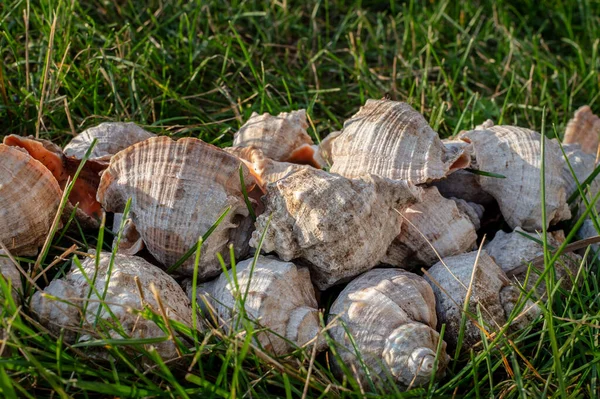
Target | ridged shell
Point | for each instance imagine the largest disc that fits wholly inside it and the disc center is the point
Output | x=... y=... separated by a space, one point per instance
x=29 y=200
x=281 y=138
x=11 y=274
x=326 y=147
x=280 y=298
x=512 y=252
x=435 y=221
x=179 y=189
x=515 y=153
x=121 y=295
x=491 y=291
x=584 y=129
x=392 y=140
x=131 y=241
x=63 y=169
x=464 y=185
x=390 y=314
x=471 y=209
x=343 y=227
x=111 y=137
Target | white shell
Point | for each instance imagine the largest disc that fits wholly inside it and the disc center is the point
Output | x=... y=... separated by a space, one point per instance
x=121 y=296
x=342 y=227
x=111 y=137
x=280 y=298
x=179 y=189
x=390 y=314
x=435 y=221
x=392 y=140
x=515 y=153
x=584 y=129
x=491 y=291
x=29 y=199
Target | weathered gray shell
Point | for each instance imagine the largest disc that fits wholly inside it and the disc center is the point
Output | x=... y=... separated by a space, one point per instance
x=584 y=129
x=473 y=210
x=342 y=227
x=515 y=153
x=62 y=302
x=29 y=200
x=390 y=139
x=588 y=230
x=11 y=274
x=582 y=165
x=491 y=292
x=179 y=189
x=111 y=137
x=435 y=221
x=280 y=298
x=281 y=138
x=390 y=315
x=464 y=185
x=512 y=252
x=131 y=241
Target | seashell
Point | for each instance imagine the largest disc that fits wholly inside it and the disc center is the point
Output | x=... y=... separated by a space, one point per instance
x=464 y=185
x=326 y=146
x=392 y=140
x=390 y=315
x=25 y=220
x=131 y=241
x=491 y=292
x=584 y=129
x=280 y=298
x=281 y=138
x=342 y=227
x=111 y=137
x=588 y=230
x=63 y=168
x=61 y=304
x=435 y=221
x=513 y=251
x=583 y=166
x=472 y=210
x=11 y=274
x=179 y=189
x=514 y=152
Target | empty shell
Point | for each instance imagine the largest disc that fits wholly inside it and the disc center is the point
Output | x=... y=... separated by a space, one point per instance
x=61 y=304
x=111 y=137
x=491 y=292
x=388 y=317
x=280 y=297
x=343 y=227
x=131 y=241
x=515 y=153
x=392 y=140
x=434 y=222
x=25 y=220
x=178 y=190
x=281 y=138
x=584 y=129
x=464 y=185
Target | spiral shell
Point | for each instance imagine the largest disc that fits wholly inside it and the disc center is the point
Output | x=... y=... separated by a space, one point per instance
x=434 y=222
x=584 y=129
x=25 y=220
x=280 y=298
x=515 y=153
x=179 y=189
x=61 y=303
x=390 y=139
x=342 y=227
x=111 y=137
x=390 y=316
x=490 y=291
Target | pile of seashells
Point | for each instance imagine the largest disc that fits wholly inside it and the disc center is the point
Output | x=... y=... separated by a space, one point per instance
x=401 y=216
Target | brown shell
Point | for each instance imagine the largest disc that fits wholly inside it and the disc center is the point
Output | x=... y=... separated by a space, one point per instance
x=390 y=315
x=515 y=153
x=29 y=200
x=280 y=298
x=491 y=292
x=179 y=189
x=63 y=168
x=281 y=138
x=111 y=137
x=392 y=140
x=435 y=221
x=62 y=302
x=131 y=241
x=342 y=227
x=584 y=129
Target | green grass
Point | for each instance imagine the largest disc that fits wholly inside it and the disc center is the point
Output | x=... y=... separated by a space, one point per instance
x=201 y=68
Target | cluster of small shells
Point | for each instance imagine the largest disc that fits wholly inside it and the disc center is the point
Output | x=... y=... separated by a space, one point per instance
x=396 y=202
